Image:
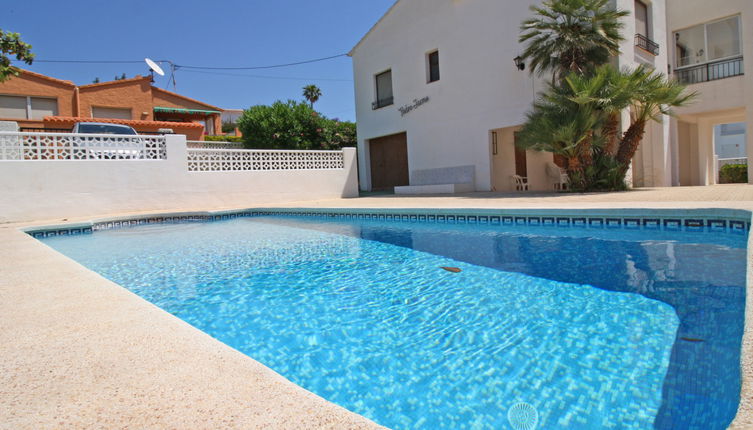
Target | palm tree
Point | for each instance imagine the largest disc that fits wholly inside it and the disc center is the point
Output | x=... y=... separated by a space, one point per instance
x=653 y=96
x=571 y=36
x=579 y=120
x=561 y=126
x=312 y=94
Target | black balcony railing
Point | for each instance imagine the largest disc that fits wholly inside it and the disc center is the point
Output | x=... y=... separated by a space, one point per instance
x=646 y=44
x=380 y=103
x=710 y=71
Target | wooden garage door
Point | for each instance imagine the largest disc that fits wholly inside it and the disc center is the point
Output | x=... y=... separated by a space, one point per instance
x=389 y=161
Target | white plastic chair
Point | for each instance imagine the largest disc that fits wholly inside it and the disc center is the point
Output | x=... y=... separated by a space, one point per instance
x=557 y=176
x=520 y=182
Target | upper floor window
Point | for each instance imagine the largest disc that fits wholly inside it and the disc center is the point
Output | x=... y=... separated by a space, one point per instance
x=643 y=29
x=708 y=42
x=641 y=18
x=384 y=95
x=27 y=107
x=432 y=63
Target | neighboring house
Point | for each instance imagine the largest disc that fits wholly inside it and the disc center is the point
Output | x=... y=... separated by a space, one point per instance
x=438 y=90
x=38 y=101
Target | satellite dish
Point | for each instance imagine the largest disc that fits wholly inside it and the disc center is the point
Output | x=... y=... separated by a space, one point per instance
x=153 y=67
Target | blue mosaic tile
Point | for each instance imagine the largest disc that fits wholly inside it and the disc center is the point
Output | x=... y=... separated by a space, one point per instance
x=695 y=224
x=737 y=225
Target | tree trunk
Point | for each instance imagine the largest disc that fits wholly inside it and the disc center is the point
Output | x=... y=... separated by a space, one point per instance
x=610 y=131
x=575 y=172
x=586 y=150
x=629 y=144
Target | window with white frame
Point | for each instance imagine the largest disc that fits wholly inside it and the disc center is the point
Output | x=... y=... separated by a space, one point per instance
x=708 y=42
x=27 y=107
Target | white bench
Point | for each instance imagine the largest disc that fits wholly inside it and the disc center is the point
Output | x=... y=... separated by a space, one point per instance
x=444 y=180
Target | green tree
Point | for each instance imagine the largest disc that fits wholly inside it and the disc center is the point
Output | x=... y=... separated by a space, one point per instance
x=11 y=45
x=578 y=116
x=312 y=93
x=293 y=125
x=575 y=119
x=571 y=36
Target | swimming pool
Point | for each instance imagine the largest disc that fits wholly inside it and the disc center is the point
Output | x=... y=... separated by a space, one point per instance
x=612 y=328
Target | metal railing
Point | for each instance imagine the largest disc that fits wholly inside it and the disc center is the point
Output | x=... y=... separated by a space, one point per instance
x=710 y=71
x=226 y=160
x=646 y=44
x=24 y=146
x=380 y=103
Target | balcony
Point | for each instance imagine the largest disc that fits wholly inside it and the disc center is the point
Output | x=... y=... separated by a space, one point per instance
x=710 y=71
x=380 y=103
x=646 y=44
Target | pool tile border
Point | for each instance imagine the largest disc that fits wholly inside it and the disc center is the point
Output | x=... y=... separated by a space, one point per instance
x=727 y=221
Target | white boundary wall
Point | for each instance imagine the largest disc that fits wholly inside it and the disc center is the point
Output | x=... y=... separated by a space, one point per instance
x=52 y=189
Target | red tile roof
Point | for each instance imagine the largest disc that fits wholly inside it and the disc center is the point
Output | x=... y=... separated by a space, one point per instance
x=41 y=76
x=70 y=120
x=186 y=98
x=117 y=82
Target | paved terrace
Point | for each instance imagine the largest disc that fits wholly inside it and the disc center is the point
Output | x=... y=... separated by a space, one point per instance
x=79 y=351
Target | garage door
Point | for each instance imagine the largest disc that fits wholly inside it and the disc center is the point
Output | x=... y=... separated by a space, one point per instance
x=389 y=161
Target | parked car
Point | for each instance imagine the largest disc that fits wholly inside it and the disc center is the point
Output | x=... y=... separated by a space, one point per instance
x=109 y=148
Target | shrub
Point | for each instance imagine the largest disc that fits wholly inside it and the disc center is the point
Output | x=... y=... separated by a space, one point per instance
x=223 y=139
x=733 y=174
x=293 y=125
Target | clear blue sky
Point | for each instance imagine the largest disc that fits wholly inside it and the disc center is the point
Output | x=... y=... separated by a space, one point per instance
x=222 y=33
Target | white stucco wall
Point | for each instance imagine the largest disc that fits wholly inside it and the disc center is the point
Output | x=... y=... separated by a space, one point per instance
x=41 y=190
x=725 y=100
x=480 y=88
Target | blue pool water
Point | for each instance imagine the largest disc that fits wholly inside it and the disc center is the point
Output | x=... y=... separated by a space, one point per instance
x=585 y=326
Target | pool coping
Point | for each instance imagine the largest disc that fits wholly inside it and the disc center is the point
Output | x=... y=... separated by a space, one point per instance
x=744 y=418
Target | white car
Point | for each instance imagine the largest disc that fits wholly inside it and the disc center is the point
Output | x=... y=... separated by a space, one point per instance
x=107 y=147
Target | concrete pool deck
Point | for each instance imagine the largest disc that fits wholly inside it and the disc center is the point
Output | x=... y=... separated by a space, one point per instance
x=79 y=351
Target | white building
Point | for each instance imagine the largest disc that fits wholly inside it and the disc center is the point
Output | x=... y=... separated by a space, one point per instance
x=439 y=96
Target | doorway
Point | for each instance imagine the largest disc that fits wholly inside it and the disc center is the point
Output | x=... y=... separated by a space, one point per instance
x=389 y=162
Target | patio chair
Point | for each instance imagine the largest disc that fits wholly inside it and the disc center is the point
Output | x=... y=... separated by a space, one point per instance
x=556 y=176
x=519 y=182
